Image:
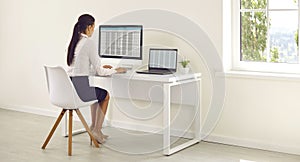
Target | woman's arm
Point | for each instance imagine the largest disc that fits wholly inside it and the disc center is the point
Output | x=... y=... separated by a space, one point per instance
x=96 y=61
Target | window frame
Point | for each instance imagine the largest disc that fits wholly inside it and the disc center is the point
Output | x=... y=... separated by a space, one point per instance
x=237 y=64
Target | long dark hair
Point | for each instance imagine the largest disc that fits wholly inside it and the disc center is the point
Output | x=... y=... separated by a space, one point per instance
x=83 y=22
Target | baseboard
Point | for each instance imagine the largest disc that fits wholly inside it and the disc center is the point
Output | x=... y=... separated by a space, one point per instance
x=37 y=111
x=32 y=110
x=252 y=144
x=211 y=138
x=148 y=128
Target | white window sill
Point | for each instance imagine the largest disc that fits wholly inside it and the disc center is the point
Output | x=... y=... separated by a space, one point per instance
x=259 y=75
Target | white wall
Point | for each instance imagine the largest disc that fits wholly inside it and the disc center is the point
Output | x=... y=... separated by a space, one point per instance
x=34 y=33
x=261 y=112
x=258 y=112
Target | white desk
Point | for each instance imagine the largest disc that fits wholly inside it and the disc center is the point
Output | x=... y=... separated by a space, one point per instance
x=119 y=84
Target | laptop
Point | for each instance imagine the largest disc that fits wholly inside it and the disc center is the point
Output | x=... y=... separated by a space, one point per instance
x=161 y=61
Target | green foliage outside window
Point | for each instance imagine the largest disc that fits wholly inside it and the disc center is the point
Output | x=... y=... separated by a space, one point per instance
x=254 y=31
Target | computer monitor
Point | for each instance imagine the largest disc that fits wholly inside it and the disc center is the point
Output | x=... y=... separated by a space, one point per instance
x=121 y=42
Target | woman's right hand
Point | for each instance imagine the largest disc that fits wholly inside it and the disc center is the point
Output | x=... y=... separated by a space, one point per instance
x=120 y=70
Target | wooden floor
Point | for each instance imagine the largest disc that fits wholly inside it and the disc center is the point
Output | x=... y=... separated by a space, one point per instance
x=23 y=134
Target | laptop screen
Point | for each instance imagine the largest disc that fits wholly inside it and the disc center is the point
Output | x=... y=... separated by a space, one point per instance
x=163 y=59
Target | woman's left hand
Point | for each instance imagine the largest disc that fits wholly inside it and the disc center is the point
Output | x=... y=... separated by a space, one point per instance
x=107 y=66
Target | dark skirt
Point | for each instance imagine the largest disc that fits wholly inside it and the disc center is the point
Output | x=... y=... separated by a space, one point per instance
x=85 y=92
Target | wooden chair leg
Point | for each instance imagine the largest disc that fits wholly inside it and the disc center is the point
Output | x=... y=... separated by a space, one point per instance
x=54 y=128
x=70 y=132
x=86 y=127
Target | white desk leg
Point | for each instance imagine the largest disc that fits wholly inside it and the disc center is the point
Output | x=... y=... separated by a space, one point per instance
x=197 y=126
x=64 y=127
x=64 y=124
x=166 y=119
x=167 y=150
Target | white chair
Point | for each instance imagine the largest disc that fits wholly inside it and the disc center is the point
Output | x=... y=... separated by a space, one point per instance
x=63 y=94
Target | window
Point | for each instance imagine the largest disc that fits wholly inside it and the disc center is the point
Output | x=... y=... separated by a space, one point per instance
x=265 y=35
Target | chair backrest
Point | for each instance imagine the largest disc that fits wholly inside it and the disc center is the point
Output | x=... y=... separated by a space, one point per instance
x=61 y=90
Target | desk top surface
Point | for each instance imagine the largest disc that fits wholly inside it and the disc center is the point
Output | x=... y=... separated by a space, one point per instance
x=159 y=78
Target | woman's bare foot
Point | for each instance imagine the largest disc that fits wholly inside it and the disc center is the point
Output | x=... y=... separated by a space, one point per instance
x=98 y=137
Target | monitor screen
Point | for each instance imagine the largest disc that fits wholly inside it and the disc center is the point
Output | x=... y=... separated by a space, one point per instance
x=121 y=41
x=163 y=58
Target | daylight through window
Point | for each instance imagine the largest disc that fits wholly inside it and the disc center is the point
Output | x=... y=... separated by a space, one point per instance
x=269 y=31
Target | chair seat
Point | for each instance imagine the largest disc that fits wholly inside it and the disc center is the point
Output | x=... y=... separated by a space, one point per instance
x=81 y=105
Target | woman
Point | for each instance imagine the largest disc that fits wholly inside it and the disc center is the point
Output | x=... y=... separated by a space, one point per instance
x=83 y=60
